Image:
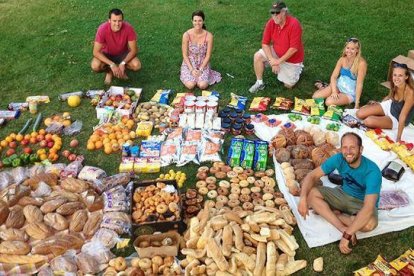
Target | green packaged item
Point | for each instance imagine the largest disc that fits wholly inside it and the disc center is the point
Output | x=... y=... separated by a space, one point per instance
x=333 y=113
x=260 y=155
x=235 y=151
x=314 y=120
x=247 y=155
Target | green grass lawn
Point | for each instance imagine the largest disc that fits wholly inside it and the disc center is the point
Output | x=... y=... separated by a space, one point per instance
x=46 y=48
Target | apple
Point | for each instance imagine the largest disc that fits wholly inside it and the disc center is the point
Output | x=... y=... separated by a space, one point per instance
x=50 y=144
x=74 y=143
x=72 y=157
x=66 y=153
x=10 y=152
x=43 y=144
x=40 y=137
x=13 y=144
x=27 y=150
x=49 y=139
x=24 y=142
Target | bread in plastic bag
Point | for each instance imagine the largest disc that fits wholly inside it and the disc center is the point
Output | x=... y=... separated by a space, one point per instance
x=209 y=150
x=55 y=168
x=19 y=174
x=91 y=174
x=36 y=169
x=73 y=129
x=6 y=179
x=98 y=251
x=116 y=200
x=120 y=222
x=73 y=169
x=65 y=262
x=106 y=236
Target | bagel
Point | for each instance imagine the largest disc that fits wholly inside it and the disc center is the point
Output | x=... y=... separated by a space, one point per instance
x=162 y=208
x=213 y=170
x=218 y=165
x=256 y=196
x=201 y=183
x=203 y=191
x=251 y=179
x=255 y=189
x=258 y=201
x=203 y=169
x=200 y=198
x=235 y=190
x=259 y=183
x=173 y=206
x=222 y=191
x=279 y=194
x=267 y=196
x=234 y=180
x=259 y=174
x=220 y=175
x=211 y=180
x=243 y=183
x=222 y=198
x=224 y=184
x=269 y=172
x=212 y=194
x=242 y=176
x=192 y=201
x=238 y=169
x=233 y=196
x=192 y=209
x=211 y=186
x=245 y=191
x=248 y=206
x=120 y=264
x=201 y=175
x=231 y=174
x=244 y=198
x=191 y=193
x=249 y=172
x=268 y=190
x=219 y=205
x=270 y=203
x=144 y=263
x=285 y=165
x=225 y=168
x=233 y=203
x=237 y=209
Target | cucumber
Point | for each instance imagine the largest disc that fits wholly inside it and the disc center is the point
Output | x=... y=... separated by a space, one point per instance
x=26 y=126
x=37 y=122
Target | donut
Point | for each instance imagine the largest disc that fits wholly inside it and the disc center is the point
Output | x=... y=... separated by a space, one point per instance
x=244 y=198
x=224 y=184
x=211 y=180
x=203 y=191
x=222 y=198
x=211 y=186
x=220 y=175
x=256 y=196
x=248 y=206
x=162 y=208
x=243 y=183
x=192 y=201
x=192 y=209
x=234 y=180
x=242 y=176
x=225 y=169
x=191 y=193
x=255 y=189
x=231 y=174
x=269 y=172
x=201 y=175
x=218 y=165
x=235 y=190
x=233 y=196
x=245 y=191
x=259 y=183
x=268 y=190
x=200 y=198
x=251 y=179
x=120 y=264
x=219 y=205
x=203 y=169
x=270 y=203
x=258 y=201
x=212 y=194
x=259 y=174
x=201 y=183
x=238 y=169
x=222 y=191
x=213 y=170
x=233 y=203
x=249 y=172
x=237 y=209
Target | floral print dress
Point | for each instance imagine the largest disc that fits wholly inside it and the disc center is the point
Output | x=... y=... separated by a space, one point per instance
x=196 y=55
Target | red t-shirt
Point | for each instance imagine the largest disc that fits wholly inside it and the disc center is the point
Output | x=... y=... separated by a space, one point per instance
x=115 y=43
x=290 y=36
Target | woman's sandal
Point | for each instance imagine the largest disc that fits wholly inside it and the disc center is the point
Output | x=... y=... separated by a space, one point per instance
x=320 y=84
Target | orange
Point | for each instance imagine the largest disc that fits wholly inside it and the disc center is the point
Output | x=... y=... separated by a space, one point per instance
x=33 y=140
x=53 y=150
x=13 y=135
x=98 y=144
x=27 y=136
x=8 y=139
x=106 y=140
x=93 y=138
x=126 y=137
x=90 y=146
x=53 y=156
x=48 y=136
x=124 y=120
x=121 y=142
x=43 y=156
x=108 y=150
x=4 y=143
x=33 y=134
x=112 y=136
x=19 y=137
x=42 y=131
x=118 y=135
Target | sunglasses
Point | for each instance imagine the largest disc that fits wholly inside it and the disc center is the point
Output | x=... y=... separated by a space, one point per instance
x=274 y=13
x=400 y=65
x=352 y=39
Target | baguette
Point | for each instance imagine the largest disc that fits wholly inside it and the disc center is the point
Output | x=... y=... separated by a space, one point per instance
x=28 y=200
x=16 y=218
x=22 y=259
x=260 y=259
x=56 y=221
x=38 y=230
x=12 y=234
x=14 y=247
x=32 y=214
x=78 y=221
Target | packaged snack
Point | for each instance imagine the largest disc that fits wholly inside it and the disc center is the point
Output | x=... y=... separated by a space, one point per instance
x=319 y=103
x=208 y=120
x=301 y=107
x=134 y=151
x=259 y=104
x=206 y=93
x=188 y=153
x=193 y=135
x=161 y=96
x=180 y=99
x=282 y=103
x=404 y=264
x=169 y=153
x=259 y=118
x=238 y=102
x=393 y=199
x=126 y=165
x=351 y=121
x=260 y=155
x=175 y=134
x=150 y=149
x=153 y=165
x=144 y=129
x=247 y=155
x=210 y=149
x=9 y=114
x=91 y=174
x=333 y=113
x=234 y=154
x=18 y=106
x=191 y=120
x=139 y=165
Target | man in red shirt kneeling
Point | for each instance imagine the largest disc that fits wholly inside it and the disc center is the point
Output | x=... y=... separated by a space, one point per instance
x=115 y=48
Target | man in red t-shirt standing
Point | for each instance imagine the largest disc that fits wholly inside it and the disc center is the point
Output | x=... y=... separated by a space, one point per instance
x=115 y=48
x=284 y=33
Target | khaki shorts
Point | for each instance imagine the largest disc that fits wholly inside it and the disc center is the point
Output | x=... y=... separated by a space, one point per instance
x=289 y=72
x=339 y=200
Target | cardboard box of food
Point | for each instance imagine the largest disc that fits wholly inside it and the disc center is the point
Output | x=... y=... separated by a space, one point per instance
x=399 y=59
x=117 y=98
x=164 y=244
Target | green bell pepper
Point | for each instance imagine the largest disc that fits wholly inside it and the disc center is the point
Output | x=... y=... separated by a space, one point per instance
x=16 y=162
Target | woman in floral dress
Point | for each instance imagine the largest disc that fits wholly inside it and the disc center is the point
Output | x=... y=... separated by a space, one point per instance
x=196 y=47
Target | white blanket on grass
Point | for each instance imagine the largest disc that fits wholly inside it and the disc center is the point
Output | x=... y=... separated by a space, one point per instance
x=316 y=230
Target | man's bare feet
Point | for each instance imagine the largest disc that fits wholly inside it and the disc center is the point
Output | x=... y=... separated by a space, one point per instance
x=108 y=78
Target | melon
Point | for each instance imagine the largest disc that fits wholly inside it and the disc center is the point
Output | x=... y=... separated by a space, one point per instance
x=74 y=101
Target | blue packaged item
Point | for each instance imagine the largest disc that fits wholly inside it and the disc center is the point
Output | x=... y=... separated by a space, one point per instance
x=260 y=155
x=161 y=96
x=237 y=102
x=134 y=151
x=235 y=150
x=247 y=154
x=150 y=149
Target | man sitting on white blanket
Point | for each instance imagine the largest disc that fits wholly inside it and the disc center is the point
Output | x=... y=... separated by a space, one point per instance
x=353 y=206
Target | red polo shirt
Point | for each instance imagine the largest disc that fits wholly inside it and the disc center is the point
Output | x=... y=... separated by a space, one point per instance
x=290 y=36
x=115 y=43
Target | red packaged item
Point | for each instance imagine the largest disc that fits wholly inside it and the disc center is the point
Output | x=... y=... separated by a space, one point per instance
x=259 y=118
x=259 y=104
x=73 y=169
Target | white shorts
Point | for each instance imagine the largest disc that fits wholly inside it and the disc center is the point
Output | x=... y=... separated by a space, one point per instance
x=289 y=72
x=386 y=107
